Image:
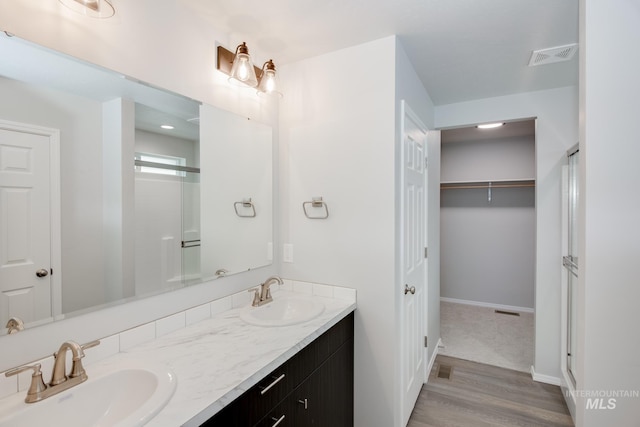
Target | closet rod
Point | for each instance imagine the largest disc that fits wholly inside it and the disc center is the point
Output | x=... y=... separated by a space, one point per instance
x=484 y=186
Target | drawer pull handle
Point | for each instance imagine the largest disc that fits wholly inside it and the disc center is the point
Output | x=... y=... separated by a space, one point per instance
x=277 y=420
x=267 y=388
x=304 y=402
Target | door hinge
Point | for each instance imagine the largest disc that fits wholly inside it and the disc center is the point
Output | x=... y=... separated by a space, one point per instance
x=426 y=253
x=425 y=341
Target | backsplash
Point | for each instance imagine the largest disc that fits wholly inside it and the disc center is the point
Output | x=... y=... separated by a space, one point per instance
x=127 y=339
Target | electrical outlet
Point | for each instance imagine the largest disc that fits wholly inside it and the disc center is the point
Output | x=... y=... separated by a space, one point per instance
x=287 y=252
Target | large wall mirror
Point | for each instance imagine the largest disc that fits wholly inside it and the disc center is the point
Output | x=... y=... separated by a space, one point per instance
x=152 y=191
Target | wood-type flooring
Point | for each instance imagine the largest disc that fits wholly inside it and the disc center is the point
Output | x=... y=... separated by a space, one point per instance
x=479 y=395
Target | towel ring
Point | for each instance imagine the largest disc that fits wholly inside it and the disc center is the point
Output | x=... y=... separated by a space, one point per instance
x=316 y=202
x=246 y=203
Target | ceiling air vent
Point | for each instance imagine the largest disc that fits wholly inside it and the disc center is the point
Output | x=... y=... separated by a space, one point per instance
x=553 y=54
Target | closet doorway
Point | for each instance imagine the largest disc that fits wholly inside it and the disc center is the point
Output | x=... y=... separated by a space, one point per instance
x=487 y=237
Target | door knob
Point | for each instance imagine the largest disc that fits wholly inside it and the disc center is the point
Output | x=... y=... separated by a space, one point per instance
x=42 y=273
x=408 y=289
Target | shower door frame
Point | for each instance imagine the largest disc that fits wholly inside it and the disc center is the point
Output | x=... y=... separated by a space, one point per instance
x=570 y=260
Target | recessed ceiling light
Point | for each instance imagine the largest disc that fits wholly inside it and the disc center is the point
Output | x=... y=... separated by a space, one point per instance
x=169 y=127
x=490 y=125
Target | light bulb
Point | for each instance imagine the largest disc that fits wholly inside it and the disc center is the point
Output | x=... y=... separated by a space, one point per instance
x=268 y=80
x=243 y=69
x=270 y=84
x=490 y=125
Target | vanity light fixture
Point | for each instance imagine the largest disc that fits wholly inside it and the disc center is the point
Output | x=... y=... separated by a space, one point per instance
x=240 y=69
x=238 y=66
x=490 y=125
x=269 y=83
x=91 y=8
x=168 y=127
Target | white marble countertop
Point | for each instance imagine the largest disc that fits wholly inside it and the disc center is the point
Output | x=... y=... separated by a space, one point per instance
x=217 y=359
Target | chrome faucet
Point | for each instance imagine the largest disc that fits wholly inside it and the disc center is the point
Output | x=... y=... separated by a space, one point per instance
x=60 y=381
x=263 y=293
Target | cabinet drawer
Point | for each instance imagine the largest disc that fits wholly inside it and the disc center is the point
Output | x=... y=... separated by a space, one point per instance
x=256 y=402
x=325 y=398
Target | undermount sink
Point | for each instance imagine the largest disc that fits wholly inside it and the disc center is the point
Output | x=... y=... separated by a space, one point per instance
x=129 y=396
x=283 y=311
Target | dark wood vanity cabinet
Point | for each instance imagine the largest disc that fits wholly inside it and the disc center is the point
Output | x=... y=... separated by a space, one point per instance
x=313 y=388
x=322 y=399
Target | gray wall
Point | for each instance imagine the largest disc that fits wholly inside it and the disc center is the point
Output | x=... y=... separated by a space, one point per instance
x=499 y=159
x=488 y=247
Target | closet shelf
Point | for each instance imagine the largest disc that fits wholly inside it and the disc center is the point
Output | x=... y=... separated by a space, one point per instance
x=465 y=185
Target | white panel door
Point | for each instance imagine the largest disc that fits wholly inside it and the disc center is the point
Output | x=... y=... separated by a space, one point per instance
x=25 y=230
x=413 y=284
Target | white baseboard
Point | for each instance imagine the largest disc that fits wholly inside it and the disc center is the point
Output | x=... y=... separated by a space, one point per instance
x=488 y=304
x=547 y=379
x=432 y=360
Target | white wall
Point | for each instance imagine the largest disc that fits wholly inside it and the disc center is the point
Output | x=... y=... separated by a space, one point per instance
x=556 y=131
x=337 y=141
x=609 y=245
x=239 y=166
x=118 y=142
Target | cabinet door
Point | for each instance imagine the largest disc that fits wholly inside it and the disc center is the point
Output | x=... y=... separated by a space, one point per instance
x=326 y=397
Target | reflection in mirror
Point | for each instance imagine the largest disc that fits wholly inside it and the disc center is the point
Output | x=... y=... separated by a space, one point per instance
x=110 y=231
x=239 y=153
x=167 y=201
